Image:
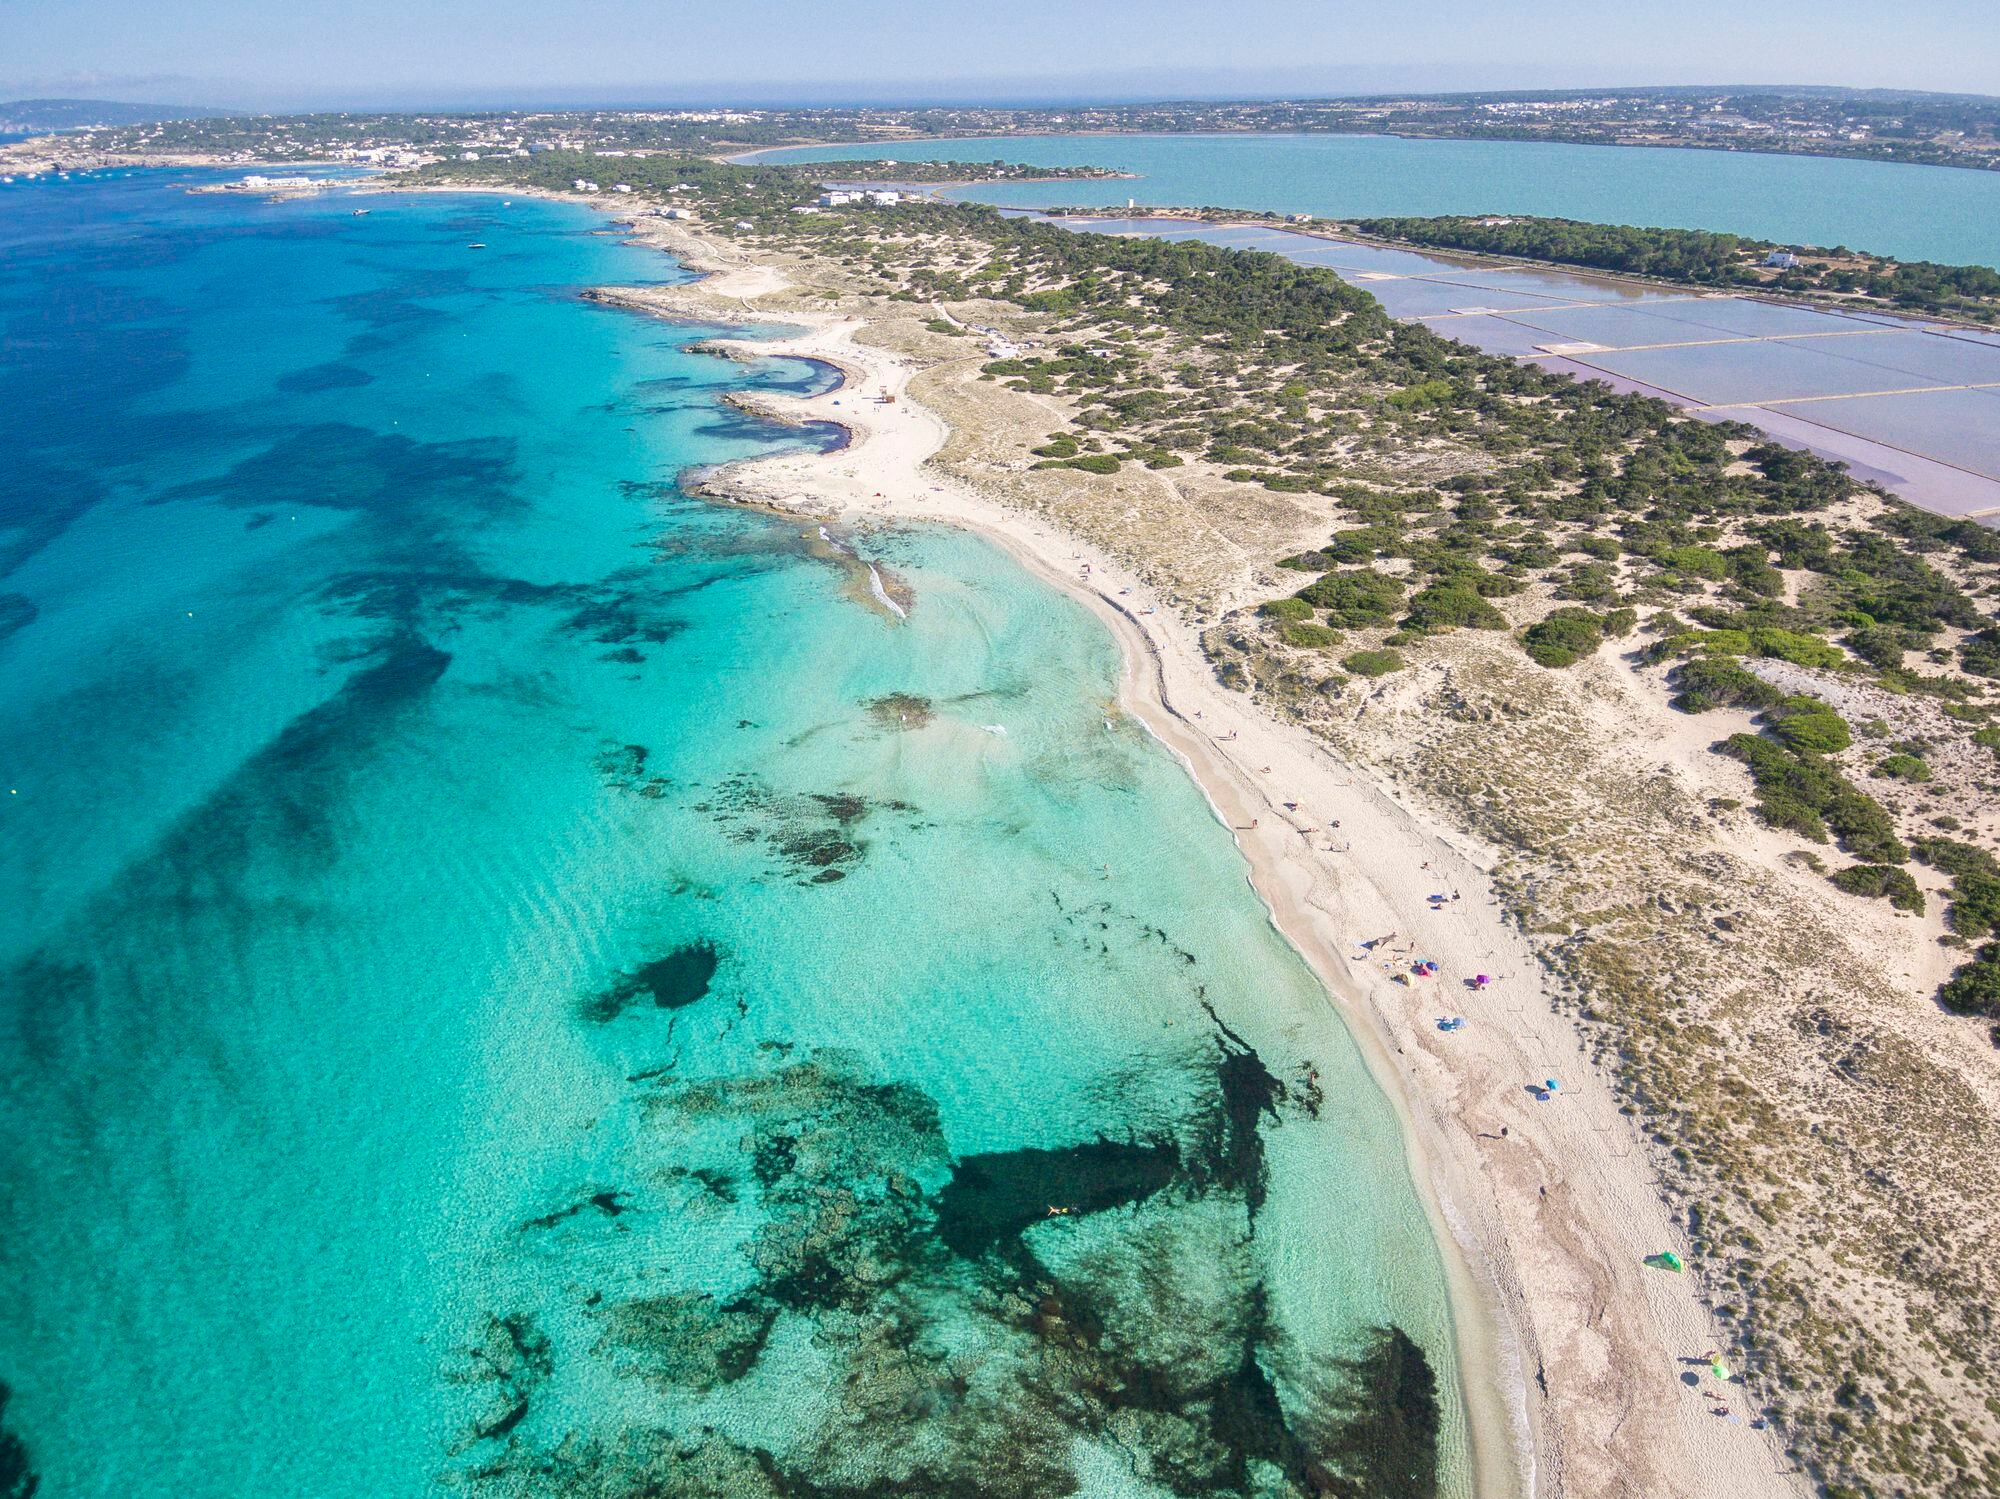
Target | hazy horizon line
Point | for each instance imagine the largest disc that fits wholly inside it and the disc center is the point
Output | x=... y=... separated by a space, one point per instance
x=1045 y=92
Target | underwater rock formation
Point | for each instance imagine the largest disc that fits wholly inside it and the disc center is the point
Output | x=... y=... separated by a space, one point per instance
x=947 y=1357
x=18 y=1479
x=900 y=710
x=673 y=982
x=815 y=837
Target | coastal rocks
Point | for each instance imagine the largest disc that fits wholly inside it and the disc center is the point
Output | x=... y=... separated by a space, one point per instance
x=815 y=838
x=623 y=619
x=991 y=1199
x=332 y=376
x=339 y=466
x=673 y=982
x=829 y=1154
x=513 y=1357
x=687 y=1341
x=18 y=1479
x=623 y=767
x=1377 y=1423
x=900 y=711
x=947 y=1357
x=17 y=611
x=610 y=1204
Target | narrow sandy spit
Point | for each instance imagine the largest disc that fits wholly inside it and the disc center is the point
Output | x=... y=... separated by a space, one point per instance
x=1573 y=1354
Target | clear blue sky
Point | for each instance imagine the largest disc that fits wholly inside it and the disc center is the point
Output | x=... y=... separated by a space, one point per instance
x=270 y=53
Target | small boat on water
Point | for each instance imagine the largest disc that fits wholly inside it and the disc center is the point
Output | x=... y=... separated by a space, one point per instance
x=476 y=245
x=362 y=213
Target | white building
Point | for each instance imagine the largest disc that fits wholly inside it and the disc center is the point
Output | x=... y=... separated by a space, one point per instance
x=842 y=197
x=584 y=185
x=621 y=187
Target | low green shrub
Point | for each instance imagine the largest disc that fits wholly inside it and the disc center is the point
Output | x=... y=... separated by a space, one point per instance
x=1309 y=636
x=1094 y=463
x=1980 y=654
x=1356 y=598
x=1374 y=663
x=1801 y=650
x=1975 y=988
x=1902 y=768
x=1697 y=562
x=1565 y=637
x=1809 y=726
x=1717 y=682
x=1803 y=794
x=1450 y=606
x=1883 y=646
x=1878 y=881
x=1287 y=611
x=1975 y=883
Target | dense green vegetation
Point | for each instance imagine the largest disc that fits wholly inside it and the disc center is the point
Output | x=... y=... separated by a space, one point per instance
x=1699 y=258
x=1882 y=881
x=1375 y=663
x=1676 y=254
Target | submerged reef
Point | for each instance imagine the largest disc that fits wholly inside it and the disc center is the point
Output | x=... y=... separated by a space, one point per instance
x=17 y=612
x=673 y=982
x=904 y=1320
x=816 y=838
x=18 y=1479
x=900 y=710
x=623 y=767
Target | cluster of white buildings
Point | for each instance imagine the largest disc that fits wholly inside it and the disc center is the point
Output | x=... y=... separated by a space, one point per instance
x=844 y=197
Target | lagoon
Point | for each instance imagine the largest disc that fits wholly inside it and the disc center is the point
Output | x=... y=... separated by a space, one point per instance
x=1945 y=214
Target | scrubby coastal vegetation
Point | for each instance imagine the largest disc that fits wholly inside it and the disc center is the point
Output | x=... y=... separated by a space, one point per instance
x=1492 y=540
x=1696 y=257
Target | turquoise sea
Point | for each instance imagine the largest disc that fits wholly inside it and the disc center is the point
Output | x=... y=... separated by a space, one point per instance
x=1946 y=214
x=519 y=982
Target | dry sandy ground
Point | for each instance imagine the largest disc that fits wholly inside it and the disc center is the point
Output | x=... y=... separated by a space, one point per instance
x=1573 y=1351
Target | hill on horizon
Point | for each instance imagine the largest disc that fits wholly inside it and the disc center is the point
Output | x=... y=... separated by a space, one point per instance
x=37 y=115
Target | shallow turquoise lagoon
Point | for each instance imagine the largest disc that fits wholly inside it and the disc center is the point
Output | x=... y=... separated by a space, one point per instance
x=520 y=982
x=1947 y=214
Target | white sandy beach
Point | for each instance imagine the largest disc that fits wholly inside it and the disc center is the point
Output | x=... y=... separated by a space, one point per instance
x=1573 y=1351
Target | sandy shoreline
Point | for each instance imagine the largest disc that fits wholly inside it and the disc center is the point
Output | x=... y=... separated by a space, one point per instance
x=1572 y=1353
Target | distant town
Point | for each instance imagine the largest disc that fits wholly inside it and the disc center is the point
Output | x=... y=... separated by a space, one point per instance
x=1936 y=129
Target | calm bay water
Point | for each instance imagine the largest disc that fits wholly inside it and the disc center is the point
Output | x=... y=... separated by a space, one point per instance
x=1918 y=213
x=520 y=980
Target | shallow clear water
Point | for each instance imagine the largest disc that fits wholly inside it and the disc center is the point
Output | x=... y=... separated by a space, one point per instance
x=1945 y=214
x=520 y=979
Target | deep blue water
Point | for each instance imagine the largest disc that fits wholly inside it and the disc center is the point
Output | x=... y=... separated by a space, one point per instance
x=1944 y=214
x=520 y=982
